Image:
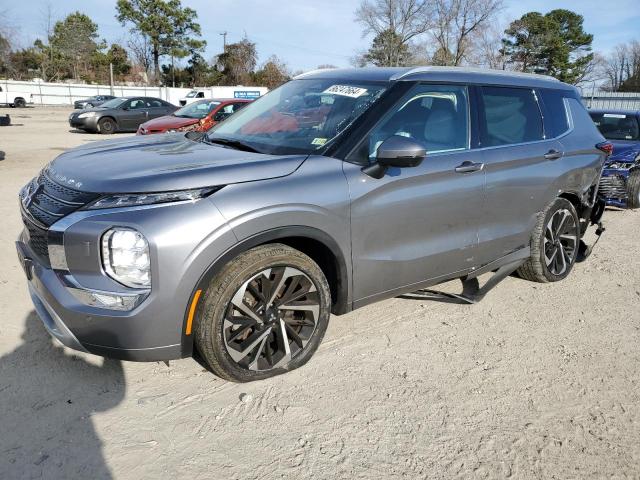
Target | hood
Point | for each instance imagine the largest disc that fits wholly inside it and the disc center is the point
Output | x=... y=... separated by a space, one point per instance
x=157 y=163
x=624 y=151
x=92 y=109
x=168 y=121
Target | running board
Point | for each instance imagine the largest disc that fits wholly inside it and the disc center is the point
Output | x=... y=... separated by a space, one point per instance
x=585 y=251
x=472 y=292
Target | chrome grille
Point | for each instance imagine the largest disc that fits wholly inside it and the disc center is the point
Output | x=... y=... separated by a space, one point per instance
x=613 y=186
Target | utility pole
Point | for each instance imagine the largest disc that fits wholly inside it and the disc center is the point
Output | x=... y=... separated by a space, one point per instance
x=224 y=41
x=111 y=77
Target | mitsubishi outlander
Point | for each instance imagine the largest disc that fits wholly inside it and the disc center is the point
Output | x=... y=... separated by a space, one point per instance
x=338 y=189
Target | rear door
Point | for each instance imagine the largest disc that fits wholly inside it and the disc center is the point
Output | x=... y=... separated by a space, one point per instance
x=420 y=223
x=157 y=108
x=519 y=167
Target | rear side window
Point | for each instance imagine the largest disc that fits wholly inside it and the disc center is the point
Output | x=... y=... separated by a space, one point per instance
x=511 y=115
x=556 y=121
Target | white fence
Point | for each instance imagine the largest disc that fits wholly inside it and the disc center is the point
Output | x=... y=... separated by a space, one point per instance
x=66 y=93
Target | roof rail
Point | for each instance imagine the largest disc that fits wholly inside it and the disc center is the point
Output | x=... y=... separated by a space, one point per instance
x=489 y=71
x=310 y=72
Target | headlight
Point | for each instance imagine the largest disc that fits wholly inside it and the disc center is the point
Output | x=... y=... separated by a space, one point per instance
x=125 y=257
x=87 y=115
x=136 y=199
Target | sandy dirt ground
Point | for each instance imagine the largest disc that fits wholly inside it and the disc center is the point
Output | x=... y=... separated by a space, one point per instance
x=536 y=381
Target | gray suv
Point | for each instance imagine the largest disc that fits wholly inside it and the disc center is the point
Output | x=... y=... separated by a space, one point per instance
x=336 y=190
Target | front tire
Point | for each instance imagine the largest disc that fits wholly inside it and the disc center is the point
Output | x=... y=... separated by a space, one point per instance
x=106 y=126
x=554 y=244
x=633 y=189
x=265 y=313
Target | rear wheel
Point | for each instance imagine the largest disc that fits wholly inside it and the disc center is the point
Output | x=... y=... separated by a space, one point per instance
x=106 y=126
x=633 y=189
x=554 y=244
x=264 y=314
x=19 y=102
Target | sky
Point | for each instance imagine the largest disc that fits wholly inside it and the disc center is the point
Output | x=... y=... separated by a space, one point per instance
x=308 y=33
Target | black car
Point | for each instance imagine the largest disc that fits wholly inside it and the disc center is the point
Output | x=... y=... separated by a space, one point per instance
x=124 y=114
x=91 y=102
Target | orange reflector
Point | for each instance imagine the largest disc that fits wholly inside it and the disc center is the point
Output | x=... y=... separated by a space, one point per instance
x=192 y=311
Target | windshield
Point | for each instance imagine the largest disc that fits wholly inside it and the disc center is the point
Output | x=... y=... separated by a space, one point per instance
x=617 y=126
x=115 y=103
x=197 y=109
x=192 y=94
x=299 y=117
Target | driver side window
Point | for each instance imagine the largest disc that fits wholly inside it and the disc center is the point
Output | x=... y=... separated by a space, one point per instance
x=435 y=115
x=135 y=104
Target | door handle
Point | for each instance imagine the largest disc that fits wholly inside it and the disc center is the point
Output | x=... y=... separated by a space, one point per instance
x=468 y=167
x=553 y=155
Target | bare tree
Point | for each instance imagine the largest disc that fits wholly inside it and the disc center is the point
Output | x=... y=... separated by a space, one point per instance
x=486 y=48
x=47 y=21
x=620 y=65
x=457 y=24
x=141 y=53
x=399 y=20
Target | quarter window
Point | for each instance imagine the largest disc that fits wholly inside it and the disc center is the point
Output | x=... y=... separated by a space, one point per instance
x=511 y=115
x=435 y=115
x=556 y=121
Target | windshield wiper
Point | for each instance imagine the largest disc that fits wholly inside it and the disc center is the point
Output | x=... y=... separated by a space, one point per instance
x=237 y=144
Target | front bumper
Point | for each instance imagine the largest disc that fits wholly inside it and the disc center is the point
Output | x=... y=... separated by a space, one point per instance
x=182 y=239
x=87 y=123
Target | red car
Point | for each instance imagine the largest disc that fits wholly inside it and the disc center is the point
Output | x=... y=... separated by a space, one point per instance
x=198 y=116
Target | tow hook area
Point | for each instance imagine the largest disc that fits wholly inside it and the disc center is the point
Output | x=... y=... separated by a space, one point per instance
x=584 y=251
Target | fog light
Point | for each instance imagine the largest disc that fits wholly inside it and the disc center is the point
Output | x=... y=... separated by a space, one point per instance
x=125 y=257
x=111 y=301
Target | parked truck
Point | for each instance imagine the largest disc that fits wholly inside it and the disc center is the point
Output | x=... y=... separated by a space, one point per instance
x=15 y=98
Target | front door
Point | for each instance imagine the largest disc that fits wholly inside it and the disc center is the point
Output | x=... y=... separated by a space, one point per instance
x=421 y=223
x=134 y=113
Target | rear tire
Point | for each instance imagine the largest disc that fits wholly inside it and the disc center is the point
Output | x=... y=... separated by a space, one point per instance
x=633 y=189
x=554 y=244
x=106 y=126
x=20 y=102
x=263 y=314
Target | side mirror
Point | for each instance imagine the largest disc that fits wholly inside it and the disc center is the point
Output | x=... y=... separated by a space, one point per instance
x=396 y=151
x=125 y=108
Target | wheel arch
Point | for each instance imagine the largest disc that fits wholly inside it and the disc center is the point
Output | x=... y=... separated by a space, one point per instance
x=575 y=200
x=315 y=243
x=110 y=117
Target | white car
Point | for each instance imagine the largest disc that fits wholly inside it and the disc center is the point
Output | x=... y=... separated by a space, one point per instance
x=15 y=99
x=192 y=96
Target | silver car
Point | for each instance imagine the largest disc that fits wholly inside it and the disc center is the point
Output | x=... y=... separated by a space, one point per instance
x=336 y=190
